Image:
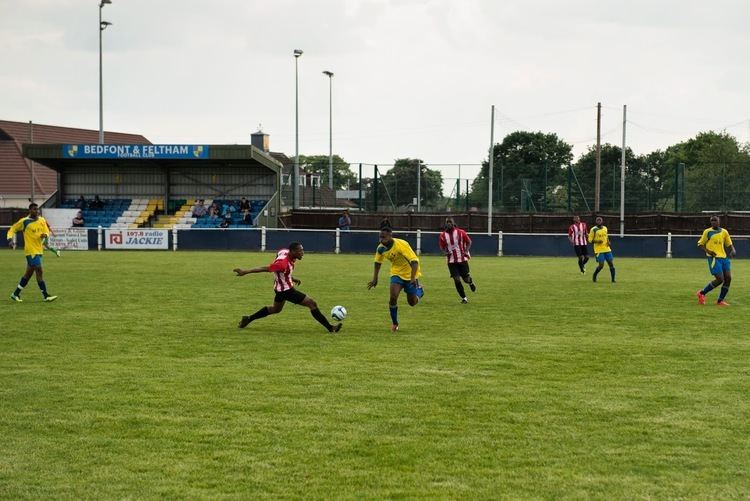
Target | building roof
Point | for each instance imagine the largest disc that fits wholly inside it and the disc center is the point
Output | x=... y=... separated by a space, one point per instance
x=15 y=170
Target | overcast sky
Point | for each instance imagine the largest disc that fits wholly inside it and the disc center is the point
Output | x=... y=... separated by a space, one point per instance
x=413 y=78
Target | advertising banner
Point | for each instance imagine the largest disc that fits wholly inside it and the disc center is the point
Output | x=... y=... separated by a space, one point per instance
x=136 y=239
x=69 y=238
x=155 y=151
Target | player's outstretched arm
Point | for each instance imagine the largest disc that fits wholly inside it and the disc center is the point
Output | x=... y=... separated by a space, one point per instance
x=374 y=282
x=260 y=269
x=732 y=251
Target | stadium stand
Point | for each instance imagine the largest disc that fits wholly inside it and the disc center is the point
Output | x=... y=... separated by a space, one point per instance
x=144 y=212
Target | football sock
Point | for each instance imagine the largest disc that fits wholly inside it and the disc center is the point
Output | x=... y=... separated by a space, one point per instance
x=585 y=260
x=394 y=314
x=596 y=273
x=460 y=288
x=43 y=288
x=21 y=284
x=612 y=273
x=580 y=264
x=723 y=293
x=317 y=315
x=48 y=246
x=263 y=312
x=708 y=288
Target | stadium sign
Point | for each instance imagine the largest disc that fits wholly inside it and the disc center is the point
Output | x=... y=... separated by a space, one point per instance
x=145 y=151
x=136 y=239
x=70 y=239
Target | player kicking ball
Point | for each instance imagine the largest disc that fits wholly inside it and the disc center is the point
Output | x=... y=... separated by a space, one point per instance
x=35 y=231
x=405 y=272
x=284 y=283
x=714 y=242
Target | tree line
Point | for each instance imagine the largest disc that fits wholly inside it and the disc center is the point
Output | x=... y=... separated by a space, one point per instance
x=536 y=171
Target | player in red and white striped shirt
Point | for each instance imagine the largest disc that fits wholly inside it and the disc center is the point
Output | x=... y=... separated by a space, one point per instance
x=283 y=283
x=578 y=237
x=456 y=243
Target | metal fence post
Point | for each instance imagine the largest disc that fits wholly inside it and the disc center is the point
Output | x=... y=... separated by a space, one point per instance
x=419 y=242
x=99 y=238
x=500 y=243
x=174 y=238
x=263 y=239
x=669 y=245
x=338 y=241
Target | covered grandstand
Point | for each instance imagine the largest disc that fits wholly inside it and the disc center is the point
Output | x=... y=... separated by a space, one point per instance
x=157 y=186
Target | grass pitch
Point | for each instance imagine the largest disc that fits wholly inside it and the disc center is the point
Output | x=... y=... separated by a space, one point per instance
x=137 y=383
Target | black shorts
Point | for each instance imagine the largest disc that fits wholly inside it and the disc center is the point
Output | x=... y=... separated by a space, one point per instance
x=459 y=269
x=292 y=295
x=581 y=250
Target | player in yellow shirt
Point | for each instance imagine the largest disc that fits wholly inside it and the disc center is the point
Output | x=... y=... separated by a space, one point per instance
x=405 y=271
x=35 y=232
x=600 y=238
x=714 y=242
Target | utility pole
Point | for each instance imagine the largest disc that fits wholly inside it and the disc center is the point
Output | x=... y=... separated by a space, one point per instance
x=597 y=178
x=31 y=140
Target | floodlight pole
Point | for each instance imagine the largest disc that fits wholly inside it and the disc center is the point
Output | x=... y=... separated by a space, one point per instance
x=102 y=26
x=492 y=166
x=330 y=128
x=295 y=180
x=419 y=186
x=622 y=172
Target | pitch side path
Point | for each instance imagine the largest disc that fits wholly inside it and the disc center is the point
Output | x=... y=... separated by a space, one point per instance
x=137 y=383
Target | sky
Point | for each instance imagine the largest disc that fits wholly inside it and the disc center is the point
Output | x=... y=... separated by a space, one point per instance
x=412 y=78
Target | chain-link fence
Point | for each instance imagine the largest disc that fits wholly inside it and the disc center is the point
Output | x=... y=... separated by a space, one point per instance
x=677 y=187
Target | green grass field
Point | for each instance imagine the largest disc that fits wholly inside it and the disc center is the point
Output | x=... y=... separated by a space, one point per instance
x=137 y=383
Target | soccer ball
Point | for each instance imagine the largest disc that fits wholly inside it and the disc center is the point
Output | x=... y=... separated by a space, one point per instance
x=338 y=313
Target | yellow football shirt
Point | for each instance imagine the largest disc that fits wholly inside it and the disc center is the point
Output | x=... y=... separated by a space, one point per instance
x=34 y=230
x=400 y=254
x=716 y=241
x=599 y=233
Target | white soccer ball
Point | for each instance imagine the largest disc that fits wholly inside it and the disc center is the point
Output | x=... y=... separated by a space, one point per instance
x=338 y=313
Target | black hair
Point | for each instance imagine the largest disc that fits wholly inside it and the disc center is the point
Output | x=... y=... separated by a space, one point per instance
x=386 y=229
x=32 y=205
x=294 y=246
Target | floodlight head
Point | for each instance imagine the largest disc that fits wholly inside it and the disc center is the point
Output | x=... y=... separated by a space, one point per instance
x=104 y=2
x=297 y=52
x=104 y=24
x=329 y=73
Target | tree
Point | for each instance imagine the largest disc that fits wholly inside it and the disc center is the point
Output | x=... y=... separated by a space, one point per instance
x=525 y=164
x=716 y=171
x=399 y=184
x=343 y=177
x=609 y=197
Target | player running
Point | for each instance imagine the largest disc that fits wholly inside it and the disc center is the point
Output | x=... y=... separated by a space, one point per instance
x=602 y=250
x=284 y=283
x=35 y=231
x=714 y=242
x=577 y=233
x=456 y=243
x=405 y=272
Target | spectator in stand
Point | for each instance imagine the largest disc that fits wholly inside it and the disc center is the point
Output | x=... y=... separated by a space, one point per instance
x=78 y=221
x=213 y=211
x=227 y=209
x=225 y=221
x=246 y=217
x=345 y=221
x=199 y=210
x=244 y=204
x=385 y=223
x=96 y=203
x=80 y=203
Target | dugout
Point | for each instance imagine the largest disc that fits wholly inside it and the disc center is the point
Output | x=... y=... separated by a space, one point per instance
x=162 y=171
